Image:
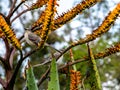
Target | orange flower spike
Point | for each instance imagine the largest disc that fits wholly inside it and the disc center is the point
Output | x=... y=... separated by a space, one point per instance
x=103 y=28
x=75 y=80
x=109 y=51
x=40 y=20
x=67 y=16
x=42 y=17
x=39 y=4
x=49 y=20
x=109 y=20
x=1 y=33
x=9 y=33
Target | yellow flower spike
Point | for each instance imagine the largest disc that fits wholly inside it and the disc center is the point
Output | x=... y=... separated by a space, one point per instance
x=109 y=20
x=1 y=33
x=40 y=20
x=39 y=4
x=103 y=28
x=112 y=50
x=67 y=16
x=49 y=20
x=7 y=31
x=109 y=51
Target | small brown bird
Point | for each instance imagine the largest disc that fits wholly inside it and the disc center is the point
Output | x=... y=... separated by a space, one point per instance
x=34 y=40
x=31 y=38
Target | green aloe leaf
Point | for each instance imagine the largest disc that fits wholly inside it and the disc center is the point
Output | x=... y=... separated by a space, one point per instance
x=31 y=84
x=94 y=78
x=54 y=80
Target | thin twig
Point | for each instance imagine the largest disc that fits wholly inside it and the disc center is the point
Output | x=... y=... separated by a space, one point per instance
x=67 y=49
x=11 y=56
x=30 y=53
x=12 y=7
x=7 y=55
x=61 y=53
x=28 y=9
x=83 y=83
x=72 y=63
x=21 y=21
x=13 y=78
x=2 y=82
x=2 y=60
x=17 y=8
x=44 y=76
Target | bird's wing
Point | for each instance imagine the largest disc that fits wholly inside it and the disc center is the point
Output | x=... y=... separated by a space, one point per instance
x=34 y=38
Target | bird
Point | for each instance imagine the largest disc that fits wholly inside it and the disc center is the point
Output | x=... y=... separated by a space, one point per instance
x=31 y=38
x=34 y=40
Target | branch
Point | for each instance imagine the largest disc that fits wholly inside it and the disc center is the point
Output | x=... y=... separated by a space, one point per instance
x=30 y=53
x=11 y=57
x=112 y=50
x=3 y=61
x=13 y=78
x=44 y=76
x=109 y=51
x=2 y=82
x=20 y=14
x=16 y=8
x=7 y=55
x=12 y=7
